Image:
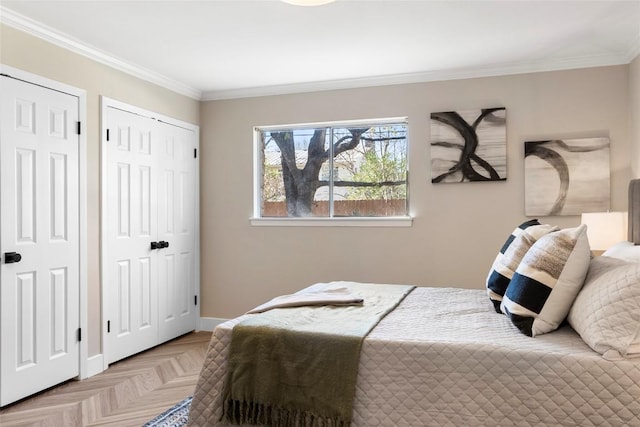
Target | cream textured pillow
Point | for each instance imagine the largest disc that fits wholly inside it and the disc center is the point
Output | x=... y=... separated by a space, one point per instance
x=547 y=281
x=624 y=250
x=606 y=312
x=512 y=252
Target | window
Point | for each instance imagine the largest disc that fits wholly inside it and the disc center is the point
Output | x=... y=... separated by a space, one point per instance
x=332 y=170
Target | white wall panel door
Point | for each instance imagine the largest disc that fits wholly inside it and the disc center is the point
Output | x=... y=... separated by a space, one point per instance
x=131 y=265
x=176 y=226
x=39 y=222
x=149 y=238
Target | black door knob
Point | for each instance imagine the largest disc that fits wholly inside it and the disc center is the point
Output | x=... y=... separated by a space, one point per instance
x=163 y=244
x=11 y=257
x=154 y=245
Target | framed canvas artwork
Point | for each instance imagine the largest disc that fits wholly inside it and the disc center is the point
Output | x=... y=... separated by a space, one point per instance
x=566 y=176
x=469 y=145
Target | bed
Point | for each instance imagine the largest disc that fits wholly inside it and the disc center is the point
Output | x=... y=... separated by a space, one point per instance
x=445 y=357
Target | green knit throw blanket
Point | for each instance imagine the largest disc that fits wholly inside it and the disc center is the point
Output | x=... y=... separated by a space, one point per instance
x=297 y=367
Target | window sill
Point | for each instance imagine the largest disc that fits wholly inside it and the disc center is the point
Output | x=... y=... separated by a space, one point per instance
x=399 y=221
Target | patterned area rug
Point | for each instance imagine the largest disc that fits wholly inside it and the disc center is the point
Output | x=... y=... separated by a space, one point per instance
x=173 y=417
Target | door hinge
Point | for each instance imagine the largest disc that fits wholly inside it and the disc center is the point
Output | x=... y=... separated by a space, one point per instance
x=79 y=128
x=195 y=153
x=79 y=334
x=195 y=300
x=107 y=134
x=108 y=326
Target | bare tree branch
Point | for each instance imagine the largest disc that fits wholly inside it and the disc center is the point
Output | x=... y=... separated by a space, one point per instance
x=340 y=146
x=388 y=138
x=361 y=183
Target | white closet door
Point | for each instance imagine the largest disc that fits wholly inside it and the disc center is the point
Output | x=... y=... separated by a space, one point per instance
x=150 y=232
x=39 y=210
x=176 y=226
x=131 y=225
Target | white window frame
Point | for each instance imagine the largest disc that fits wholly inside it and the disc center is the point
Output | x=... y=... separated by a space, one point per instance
x=258 y=220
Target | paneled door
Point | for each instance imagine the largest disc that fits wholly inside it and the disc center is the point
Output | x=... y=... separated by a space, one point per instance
x=150 y=232
x=176 y=227
x=39 y=238
x=131 y=269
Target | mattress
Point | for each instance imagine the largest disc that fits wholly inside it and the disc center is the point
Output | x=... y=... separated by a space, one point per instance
x=445 y=357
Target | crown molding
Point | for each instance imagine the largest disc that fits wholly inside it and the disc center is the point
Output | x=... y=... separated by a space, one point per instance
x=39 y=30
x=422 y=77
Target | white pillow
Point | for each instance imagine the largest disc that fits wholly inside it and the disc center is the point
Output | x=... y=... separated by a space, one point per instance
x=624 y=250
x=547 y=281
x=606 y=312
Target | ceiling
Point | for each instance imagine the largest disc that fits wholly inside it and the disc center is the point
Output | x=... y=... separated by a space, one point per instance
x=220 y=49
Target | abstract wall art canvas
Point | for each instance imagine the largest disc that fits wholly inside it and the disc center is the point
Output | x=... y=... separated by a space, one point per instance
x=469 y=145
x=566 y=176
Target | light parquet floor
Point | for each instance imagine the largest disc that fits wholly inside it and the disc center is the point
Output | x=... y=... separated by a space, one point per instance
x=129 y=393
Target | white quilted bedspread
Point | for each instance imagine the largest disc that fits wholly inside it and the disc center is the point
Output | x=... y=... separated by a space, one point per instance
x=444 y=357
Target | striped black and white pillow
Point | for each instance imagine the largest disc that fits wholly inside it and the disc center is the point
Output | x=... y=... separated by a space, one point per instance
x=547 y=281
x=509 y=257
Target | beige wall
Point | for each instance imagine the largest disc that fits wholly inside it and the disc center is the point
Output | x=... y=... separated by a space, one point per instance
x=19 y=50
x=634 y=115
x=458 y=228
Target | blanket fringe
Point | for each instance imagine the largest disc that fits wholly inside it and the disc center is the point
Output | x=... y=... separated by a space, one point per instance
x=239 y=412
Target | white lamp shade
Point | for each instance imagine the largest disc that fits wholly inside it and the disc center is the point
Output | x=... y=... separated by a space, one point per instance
x=604 y=229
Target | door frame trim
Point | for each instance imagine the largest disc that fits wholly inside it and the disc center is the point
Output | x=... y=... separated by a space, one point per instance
x=105 y=103
x=81 y=94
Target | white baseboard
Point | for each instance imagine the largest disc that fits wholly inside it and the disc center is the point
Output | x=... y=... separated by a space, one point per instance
x=94 y=365
x=209 y=323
